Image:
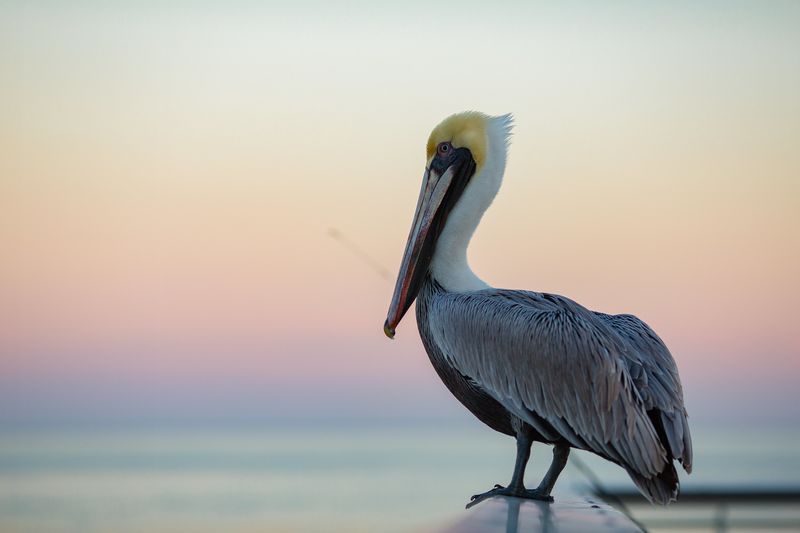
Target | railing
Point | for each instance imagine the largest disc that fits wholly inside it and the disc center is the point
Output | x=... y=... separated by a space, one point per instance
x=567 y=514
x=717 y=510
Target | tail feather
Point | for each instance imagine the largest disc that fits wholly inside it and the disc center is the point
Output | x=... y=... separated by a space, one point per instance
x=661 y=489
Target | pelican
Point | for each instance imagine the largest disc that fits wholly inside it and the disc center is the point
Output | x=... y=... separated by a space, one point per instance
x=535 y=366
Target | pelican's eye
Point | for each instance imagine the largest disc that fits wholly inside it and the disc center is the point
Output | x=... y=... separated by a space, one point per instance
x=444 y=148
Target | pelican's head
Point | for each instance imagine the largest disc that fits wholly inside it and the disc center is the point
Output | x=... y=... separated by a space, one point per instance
x=466 y=157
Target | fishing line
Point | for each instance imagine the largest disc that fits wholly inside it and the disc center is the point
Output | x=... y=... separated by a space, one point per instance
x=339 y=237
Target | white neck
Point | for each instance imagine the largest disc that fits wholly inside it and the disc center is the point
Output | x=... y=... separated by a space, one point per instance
x=449 y=265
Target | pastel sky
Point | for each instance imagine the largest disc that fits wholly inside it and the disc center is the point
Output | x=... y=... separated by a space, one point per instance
x=169 y=174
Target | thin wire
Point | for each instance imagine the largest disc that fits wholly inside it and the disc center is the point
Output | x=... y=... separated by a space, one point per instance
x=599 y=489
x=338 y=236
x=577 y=462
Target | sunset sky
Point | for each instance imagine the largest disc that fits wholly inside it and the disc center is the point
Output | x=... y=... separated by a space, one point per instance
x=169 y=175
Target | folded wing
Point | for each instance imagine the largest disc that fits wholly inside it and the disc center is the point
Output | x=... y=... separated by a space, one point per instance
x=557 y=365
x=655 y=376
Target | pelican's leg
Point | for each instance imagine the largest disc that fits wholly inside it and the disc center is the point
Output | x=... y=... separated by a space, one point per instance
x=517 y=486
x=560 y=456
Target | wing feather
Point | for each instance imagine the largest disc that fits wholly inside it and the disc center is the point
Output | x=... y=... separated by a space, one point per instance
x=655 y=376
x=545 y=355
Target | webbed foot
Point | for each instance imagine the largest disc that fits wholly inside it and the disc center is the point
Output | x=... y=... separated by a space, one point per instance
x=520 y=492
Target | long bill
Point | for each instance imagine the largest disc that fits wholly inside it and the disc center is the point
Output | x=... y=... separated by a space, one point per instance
x=437 y=196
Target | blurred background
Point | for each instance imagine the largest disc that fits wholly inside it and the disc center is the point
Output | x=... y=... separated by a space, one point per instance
x=202 y=207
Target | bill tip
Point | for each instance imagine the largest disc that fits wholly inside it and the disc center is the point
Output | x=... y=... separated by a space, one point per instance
x=388 y=330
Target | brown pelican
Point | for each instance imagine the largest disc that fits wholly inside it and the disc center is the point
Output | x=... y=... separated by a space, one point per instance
x=535 y=366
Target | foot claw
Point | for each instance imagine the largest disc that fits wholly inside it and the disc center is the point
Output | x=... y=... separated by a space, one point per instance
x=478 y=498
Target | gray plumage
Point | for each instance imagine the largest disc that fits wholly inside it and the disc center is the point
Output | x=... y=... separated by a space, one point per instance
x=597 y=382
x=538 y=367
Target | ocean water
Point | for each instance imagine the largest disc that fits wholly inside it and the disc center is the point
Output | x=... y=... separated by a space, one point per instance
x=312 y=478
